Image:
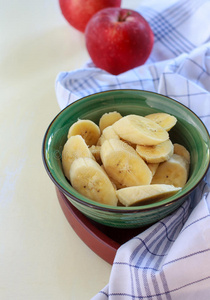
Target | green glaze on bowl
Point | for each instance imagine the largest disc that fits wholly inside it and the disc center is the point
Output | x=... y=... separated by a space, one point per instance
x=189 y=131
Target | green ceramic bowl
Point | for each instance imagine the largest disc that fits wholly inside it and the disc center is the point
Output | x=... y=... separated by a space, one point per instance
x=189 y=131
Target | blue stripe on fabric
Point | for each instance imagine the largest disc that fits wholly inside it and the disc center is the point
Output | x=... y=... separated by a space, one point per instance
x=68 y=100
x=169 y=36
x=164 y=25
x=86 y=86
x=118 y=82
x=139 y=79
x=78 y=86
x=196 y=64
x=95 y=83
x=134 y=266
x=185 y=95
x=154 y=296
x=105 y=294
x=189 y=284
x=180 y=11
x=147 y=251
x=81 y=91
x=188 y=94
x=165 y=285
x=158 y=262
x=187 y=256
x=133 y=255
x=169 y=225
x=156 y=76
x=196 y=221
x=186 y=10
x=164 y=83
x=155 y=80
x=199 y=77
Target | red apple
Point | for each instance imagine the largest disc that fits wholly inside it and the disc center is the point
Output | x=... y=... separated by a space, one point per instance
x=79 y=12
x=118 y=39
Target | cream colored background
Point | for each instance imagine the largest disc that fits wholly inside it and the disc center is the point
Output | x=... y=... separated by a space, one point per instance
x=41 y=257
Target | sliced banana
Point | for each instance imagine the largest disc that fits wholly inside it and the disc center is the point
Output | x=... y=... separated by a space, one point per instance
x=174 y=172
x=165 y=120
x=130 y=158
x=87 y=129
x=96 y=152
x=89 y=179
x=181 y=150
x=123 y=165
x=74 y=147
x=108 y=119
x=100 y=140
x=157 y=153
x=114 y=185
x=129 y=143
x=109 y=133
x=137 y=195
x=140 y=130
x=153 y=167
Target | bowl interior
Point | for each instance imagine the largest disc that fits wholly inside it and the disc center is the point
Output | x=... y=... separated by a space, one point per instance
x=189 y=131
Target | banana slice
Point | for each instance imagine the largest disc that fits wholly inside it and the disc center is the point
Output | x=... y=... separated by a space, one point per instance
x=87 y=129
x=108 y=119
x=173 y=171
x=157 y=153
x=74 y=147
x=145 y=194
x=165 y=120
x=153 y=168
x=100 y=140
x=89 y=179
x=140 y=130
x=181 y=150
x=114 y=185
x=96 y=152
x=123 y=165
x=109 y=133
x=129 y=143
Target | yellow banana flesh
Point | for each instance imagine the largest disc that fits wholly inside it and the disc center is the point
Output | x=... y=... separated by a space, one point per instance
x=165 y=120
x=182 y=151
x=130 y=158
x=89 y=179
x=145 y=194
x=157 y=153
x=96 y=150
x=87 y=129
x=153 y=167
x=123 y=165
x=74 y=147
x=140 y=130
x=173 y=171
x=108 y=119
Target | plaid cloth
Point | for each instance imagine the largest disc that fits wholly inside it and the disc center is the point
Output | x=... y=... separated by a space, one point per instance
x=171 y=259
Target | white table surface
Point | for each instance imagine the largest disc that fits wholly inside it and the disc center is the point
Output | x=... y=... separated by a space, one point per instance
x=41 y=257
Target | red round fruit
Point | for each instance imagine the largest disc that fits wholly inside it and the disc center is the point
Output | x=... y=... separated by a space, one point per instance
x=118 y=39
x=79 y=12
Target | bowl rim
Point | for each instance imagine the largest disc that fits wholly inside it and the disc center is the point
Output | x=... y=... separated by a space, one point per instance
x=118 y=209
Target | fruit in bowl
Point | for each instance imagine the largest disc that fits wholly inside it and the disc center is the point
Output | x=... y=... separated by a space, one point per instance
x=188 y=132
x=122 y=170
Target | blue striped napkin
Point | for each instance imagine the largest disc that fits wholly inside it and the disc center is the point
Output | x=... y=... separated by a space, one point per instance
x=171 y=259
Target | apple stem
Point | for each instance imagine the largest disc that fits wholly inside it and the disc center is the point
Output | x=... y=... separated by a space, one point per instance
x=123 y=17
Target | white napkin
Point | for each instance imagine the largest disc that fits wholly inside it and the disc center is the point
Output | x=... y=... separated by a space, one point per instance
x=171 y=259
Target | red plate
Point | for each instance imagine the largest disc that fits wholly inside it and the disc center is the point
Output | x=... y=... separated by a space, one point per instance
x=103 y=240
